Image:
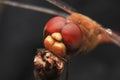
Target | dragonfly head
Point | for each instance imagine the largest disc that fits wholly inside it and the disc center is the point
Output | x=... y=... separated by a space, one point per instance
x=62 y=36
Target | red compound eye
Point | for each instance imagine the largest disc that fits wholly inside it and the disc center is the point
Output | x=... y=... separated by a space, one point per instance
x=55 y=24
x=72 y=35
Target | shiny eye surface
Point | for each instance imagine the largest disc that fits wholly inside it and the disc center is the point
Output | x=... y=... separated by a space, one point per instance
x=55 y=24
x=72 y=35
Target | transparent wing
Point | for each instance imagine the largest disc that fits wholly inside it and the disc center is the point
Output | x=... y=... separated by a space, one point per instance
x=62 y=5
x=33 y=7
x=113 y=36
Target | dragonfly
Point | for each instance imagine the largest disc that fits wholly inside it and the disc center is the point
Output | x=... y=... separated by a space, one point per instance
x=65 y=35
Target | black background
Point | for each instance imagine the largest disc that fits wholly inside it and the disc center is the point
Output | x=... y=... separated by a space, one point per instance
x=21 y=34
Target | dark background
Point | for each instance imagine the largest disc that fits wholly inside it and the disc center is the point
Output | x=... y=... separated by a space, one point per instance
x=21 y=34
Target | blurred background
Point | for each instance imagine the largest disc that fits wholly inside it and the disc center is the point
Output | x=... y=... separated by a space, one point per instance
x=21 y=34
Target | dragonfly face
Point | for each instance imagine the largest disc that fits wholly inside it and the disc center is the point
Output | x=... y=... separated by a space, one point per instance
x=62 y=36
